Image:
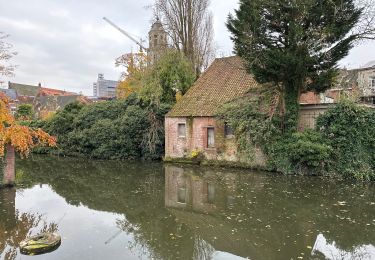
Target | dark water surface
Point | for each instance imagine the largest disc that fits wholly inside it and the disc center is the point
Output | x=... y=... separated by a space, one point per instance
x=143 y=210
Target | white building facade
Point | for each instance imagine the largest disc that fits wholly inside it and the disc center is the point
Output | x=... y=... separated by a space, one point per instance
x=104 y=87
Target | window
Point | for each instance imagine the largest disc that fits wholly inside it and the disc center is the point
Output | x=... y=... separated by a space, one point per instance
x=181 y=130
x=210 y=137
x=181 y=191
x=155 y=40
x=210 y=193
x=372 y=83
x=228 y=131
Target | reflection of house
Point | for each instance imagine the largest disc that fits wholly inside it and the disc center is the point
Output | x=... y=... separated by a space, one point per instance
x=191 y=124
x=201 y=194
x=203 y=202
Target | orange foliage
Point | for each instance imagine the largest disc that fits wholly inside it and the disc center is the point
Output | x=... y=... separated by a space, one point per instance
x=22 y=138
x=135 y=65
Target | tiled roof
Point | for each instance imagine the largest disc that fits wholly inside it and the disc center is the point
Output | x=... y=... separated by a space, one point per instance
x=54 y=92
x=24 y=90
x=309 y=98
x=10 y=93
x=225 y=80
x=54 y=103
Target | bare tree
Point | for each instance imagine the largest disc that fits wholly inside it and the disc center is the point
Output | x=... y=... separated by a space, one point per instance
x=6 y=54
x=365 y=28
x=189 y=25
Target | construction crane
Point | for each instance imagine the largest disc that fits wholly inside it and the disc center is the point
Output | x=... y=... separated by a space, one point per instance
x=139 y=43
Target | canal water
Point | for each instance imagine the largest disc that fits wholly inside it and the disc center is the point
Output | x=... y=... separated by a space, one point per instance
x=143 y=210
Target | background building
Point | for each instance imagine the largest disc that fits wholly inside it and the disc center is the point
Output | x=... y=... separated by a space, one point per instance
x=104 y=87
x=158 y=43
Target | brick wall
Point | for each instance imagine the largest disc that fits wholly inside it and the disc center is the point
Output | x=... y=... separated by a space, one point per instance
x=196 y=139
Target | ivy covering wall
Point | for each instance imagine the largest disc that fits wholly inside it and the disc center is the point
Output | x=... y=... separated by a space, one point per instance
x=342 y=145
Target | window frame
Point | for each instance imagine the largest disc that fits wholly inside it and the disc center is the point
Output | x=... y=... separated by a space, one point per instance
x=226 y=128
x=372 y=82
x=208 y=145
x=178 y=130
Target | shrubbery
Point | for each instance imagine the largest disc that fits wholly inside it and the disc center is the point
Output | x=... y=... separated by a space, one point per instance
x=350 y=130
x=109 y=130
x=343 y=143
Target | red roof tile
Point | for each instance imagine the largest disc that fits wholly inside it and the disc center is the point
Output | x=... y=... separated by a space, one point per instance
x=225 y=80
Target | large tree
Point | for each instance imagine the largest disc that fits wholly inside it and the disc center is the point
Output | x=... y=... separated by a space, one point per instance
x=189 y=25
x=294 y=45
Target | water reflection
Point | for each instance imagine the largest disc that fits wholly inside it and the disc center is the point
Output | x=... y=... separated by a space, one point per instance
x=150 y=211
x=332 y=251
x=16 y=226
x=264 y=217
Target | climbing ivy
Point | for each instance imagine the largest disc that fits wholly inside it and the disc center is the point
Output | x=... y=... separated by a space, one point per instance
x=343 y=144
x=350 y=130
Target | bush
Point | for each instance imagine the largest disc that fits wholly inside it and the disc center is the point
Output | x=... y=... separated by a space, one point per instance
x=25 y=112
x=308 y=151
x=350 y=130
x=109 y=130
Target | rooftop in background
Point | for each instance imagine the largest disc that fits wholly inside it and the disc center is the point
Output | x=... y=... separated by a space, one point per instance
x=225 y=80
x=55 y=92
x=24 y=90
x=10 y=93
x=33 y=91
x=369 y=64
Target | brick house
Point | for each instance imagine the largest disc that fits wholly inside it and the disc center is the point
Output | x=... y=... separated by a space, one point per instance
x=191 y=125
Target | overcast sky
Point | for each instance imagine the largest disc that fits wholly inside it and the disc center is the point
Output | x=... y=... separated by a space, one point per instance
x=65 y=44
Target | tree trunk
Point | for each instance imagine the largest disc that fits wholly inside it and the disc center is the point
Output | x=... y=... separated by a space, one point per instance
x=9 y=169
x=291 y=103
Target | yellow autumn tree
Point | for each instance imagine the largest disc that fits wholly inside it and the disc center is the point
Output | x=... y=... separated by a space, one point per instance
x=17 y=138
x=135 y=65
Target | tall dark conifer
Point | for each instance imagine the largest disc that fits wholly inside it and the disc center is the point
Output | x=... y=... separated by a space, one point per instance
x=293 y=44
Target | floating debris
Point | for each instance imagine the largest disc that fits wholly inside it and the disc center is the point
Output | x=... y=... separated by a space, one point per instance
x=40 y=244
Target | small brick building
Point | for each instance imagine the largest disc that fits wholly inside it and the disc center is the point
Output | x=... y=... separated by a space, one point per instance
x=191 y=125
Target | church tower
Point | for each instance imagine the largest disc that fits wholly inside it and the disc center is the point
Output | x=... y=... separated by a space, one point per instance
x=157 y=41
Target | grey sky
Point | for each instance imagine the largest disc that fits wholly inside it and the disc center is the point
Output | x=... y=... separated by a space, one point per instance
x=65 y=44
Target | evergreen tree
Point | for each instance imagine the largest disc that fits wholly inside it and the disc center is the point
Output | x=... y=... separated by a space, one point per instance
x=294 y=45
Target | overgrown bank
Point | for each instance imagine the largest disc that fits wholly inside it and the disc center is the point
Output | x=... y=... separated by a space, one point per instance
x=118 y=130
